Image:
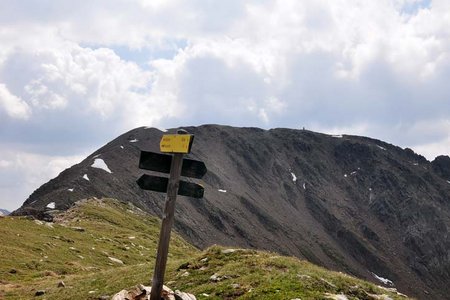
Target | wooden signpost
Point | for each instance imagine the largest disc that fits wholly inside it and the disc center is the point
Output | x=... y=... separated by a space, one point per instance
x=178 y=144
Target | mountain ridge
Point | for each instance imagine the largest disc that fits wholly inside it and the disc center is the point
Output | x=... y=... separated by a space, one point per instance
x=345 y=202
x=4 y=212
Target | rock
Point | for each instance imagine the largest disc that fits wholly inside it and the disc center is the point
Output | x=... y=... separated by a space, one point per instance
x=184 y=296
x=215 y=277
x=142 y=292
x=228 y=251
x=50 y=273
x=335 y=296
x=303 y=276
x=116 y=260
x=38 y=222
x=61 y=284
x=48 y=224
x=122 y=295
x=235 y=285
x=79 y=229
x=12 y=271
x=39 y=293
x=185 y=274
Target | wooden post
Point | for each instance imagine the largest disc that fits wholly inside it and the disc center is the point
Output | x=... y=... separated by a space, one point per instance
x=167 y=222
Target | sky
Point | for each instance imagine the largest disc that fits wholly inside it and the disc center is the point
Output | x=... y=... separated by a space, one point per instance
x=76 y=74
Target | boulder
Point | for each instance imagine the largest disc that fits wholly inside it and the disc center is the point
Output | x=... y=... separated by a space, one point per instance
x=141 y=292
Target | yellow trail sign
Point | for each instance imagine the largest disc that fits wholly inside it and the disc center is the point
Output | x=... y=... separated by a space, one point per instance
x=176 y=143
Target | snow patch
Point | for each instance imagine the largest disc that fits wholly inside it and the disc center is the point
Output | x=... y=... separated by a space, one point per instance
x=383 y=280
x=415 y=164
x=382 y=148
x=162 y=129
x=294 y=178
x=353 y=173
x=222 y=191
x=339 y=136
x=121 y=147
x=70 y=190
x=304 y=185
x=100 y=164
x=345 y=175
x=51 y=205
x=133 y=140
x=86 y=177
x=448 y=181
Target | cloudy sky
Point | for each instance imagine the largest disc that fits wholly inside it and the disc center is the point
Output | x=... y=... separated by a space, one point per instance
x=76 y=74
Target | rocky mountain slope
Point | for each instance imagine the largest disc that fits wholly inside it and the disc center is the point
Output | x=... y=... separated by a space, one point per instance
x=4 y=212
x=348 y=203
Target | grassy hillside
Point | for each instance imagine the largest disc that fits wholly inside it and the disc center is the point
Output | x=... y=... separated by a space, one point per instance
x=100 y=247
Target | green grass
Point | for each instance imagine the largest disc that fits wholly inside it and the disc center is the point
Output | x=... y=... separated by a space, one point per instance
x=37 y=256
x=250 y=274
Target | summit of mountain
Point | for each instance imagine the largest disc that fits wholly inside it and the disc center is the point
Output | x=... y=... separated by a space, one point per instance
x=349 y=203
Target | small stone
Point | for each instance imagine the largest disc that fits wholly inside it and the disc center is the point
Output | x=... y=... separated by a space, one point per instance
x=215 y=277
x=39 y=293
x=204 y=259
x=228 y=251
x=79 y=229
x=61 y=284
x=12 y=271
x=235 y=285
x=183 y=296
x=116 y=260
x=303 y=276
x=185 y=274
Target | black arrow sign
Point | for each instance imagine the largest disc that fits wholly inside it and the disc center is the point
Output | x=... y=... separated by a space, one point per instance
x=161 y=163
x=159 y=184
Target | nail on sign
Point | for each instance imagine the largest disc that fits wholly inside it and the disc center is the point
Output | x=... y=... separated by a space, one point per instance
x=176 y=143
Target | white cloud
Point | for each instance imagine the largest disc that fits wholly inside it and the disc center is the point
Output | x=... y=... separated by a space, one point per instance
x=13 y=105
x=377 y=68
x=23 y=172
